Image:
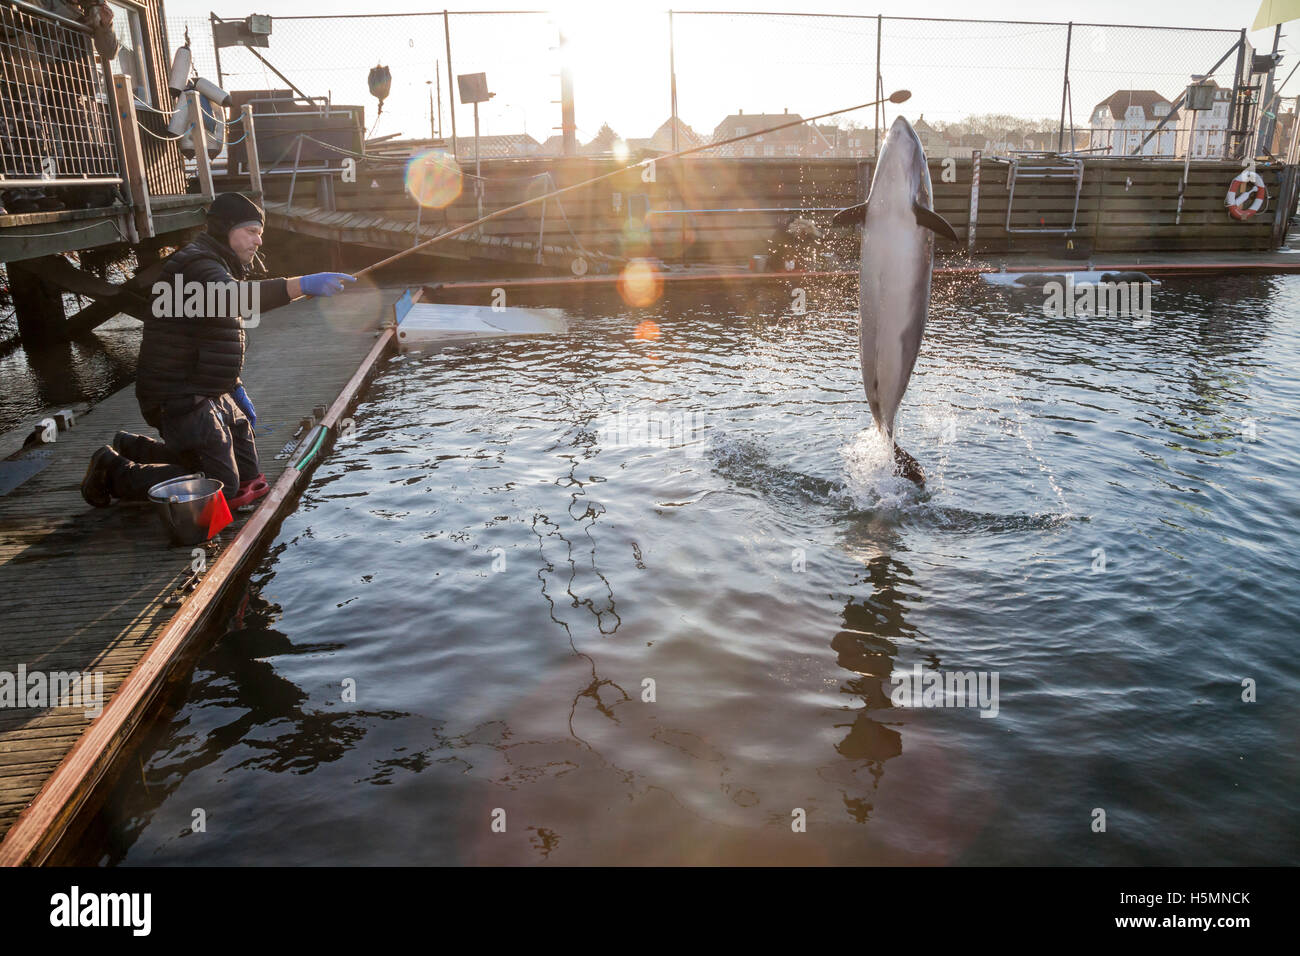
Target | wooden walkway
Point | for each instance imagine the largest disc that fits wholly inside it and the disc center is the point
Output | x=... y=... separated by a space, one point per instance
x=83 y=589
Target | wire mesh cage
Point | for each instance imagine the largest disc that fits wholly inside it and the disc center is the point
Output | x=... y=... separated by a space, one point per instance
x=55 y=127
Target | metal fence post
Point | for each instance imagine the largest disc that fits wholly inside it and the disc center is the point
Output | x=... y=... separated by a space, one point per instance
x=213 y=20
x=672 y=77
x=1065 y=85
x=1238 y=108
x=451 y=84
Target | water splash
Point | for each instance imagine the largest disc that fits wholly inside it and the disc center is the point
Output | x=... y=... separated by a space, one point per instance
x=870 y=479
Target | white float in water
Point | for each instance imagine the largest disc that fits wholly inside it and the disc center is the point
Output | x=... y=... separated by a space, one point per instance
x=420 y=322
x=1036 y=280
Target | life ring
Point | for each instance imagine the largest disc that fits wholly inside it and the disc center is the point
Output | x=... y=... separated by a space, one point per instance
x=1247 y=195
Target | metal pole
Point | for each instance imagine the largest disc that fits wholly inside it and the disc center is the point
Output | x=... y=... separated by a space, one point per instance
x=1187 y=165
x=213 y=19
x=1065 y=86
x=672 y=78
x=568 y=125
x=478 y=167
x=876 y=149
x=437 y=75
x=1238 y=108
x=1265 y=120
x=451 y=84
x=433 y=132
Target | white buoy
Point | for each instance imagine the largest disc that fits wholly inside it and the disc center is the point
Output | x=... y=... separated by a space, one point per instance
x=180 y=120
x=212 y=91
x=213 y=124
x=180 y=75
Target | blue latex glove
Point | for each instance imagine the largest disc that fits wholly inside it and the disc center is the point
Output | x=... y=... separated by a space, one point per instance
x=324 y=283
x=246 y=404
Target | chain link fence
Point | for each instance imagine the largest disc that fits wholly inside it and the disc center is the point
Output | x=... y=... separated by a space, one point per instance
x=993 y=85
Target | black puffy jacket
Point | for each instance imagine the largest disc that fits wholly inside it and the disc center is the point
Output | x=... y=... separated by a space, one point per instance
x=184 y=357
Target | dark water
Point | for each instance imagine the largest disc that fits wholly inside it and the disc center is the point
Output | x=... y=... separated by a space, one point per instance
x=88 y=370
x=499 y=574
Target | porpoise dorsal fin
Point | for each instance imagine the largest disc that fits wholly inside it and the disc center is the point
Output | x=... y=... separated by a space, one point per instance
x=852 y=216
x=928 y=219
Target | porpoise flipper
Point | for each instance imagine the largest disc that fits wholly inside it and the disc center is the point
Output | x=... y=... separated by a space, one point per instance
x=852 y=216
x=929 y=219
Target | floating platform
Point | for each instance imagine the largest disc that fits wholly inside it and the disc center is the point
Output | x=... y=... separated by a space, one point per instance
x=94 y=590
x=420 y=322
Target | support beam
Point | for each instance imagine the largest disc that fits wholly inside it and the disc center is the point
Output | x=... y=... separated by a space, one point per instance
x=250 y=150
x=133 y=155
x=131 y=298
x=38 y=304
x=199 y=133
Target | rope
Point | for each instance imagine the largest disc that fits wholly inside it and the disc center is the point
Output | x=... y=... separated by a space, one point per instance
x=149 y=109
x=68 y=232
x=166 y=139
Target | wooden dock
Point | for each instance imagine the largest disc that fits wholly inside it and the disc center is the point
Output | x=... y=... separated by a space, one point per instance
x=712 y=211
x=83 y=589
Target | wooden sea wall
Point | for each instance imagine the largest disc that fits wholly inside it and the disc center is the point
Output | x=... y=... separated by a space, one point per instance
x=1124 y=205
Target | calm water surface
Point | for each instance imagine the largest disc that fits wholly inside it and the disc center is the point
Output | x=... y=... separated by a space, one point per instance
x=498 y=572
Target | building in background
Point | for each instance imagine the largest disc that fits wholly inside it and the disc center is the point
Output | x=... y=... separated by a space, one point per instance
x=1122 y=121
x=804 y=140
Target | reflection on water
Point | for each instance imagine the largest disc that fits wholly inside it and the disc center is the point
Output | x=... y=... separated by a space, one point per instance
x=491 y=608
x=87 y=370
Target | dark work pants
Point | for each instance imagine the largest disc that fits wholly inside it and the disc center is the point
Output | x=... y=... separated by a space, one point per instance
x=212 y=435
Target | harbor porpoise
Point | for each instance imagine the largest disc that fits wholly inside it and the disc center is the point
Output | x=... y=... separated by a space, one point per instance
x=898 y=228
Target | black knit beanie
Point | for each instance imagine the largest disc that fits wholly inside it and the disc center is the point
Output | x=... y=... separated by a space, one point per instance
x=229 y=210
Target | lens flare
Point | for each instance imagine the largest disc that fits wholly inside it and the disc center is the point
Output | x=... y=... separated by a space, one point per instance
x=646 y=331
x=636 y=239
x=433 y=178
x=639 y=284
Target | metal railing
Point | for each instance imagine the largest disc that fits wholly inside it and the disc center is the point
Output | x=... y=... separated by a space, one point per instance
x=55 y=124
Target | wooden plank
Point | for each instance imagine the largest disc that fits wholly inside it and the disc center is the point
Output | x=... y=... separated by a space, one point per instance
x=133 y=156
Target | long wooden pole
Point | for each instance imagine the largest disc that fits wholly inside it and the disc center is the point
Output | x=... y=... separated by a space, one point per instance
x=898 y=96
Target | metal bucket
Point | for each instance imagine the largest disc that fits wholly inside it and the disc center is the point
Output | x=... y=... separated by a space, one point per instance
x=181 y=504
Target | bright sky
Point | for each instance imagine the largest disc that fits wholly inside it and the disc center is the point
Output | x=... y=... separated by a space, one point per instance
x=805 y=64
